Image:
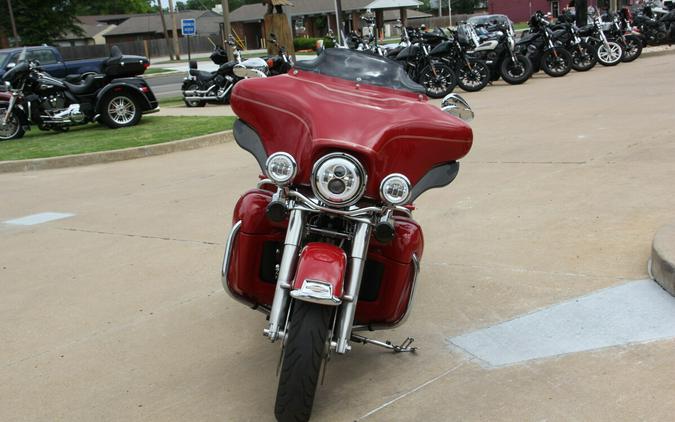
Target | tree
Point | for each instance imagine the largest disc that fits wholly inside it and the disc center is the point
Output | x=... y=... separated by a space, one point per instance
x=39 y=21
x=463 y=6
x=111 y=7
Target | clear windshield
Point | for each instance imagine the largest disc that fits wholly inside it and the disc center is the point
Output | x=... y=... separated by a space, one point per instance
x=3 y=57
x=361 y=67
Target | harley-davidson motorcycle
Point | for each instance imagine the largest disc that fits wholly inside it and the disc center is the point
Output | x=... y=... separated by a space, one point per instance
x=326 y=246
x=201 y=87
x=114 y=97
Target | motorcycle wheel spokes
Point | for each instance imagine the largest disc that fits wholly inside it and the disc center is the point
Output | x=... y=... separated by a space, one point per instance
x=122 y=110
x=611 y=55
x=11 y=128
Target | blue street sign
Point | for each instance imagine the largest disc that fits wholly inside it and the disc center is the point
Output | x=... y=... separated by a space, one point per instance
x=188 y=27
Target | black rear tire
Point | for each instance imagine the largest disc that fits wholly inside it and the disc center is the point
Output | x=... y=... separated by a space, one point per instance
x=192 y=87
x=438 y=81
x=516 y=73
x=584 y=57
x=120 y=109
x=556 y=62
x=303 y=354
x=474 y=78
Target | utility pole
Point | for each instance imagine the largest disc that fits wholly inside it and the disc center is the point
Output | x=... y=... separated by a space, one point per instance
x=17 y=40
x=450 y=12
x=176 y=46
x=338 y=19
x=227 y=29
x=581 y=9
x=166 y=34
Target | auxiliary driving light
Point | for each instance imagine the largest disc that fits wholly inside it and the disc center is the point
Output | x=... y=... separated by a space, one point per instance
x=281 y=168
x=395 y=189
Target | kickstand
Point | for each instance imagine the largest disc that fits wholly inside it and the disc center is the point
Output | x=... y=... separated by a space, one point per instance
x=403 y=347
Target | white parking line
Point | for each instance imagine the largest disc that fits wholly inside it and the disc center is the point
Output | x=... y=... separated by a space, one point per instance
x=43 y=217
x=635 y=312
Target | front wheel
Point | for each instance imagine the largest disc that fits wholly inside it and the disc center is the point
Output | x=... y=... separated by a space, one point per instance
x=438 y=80
x=516 y=72
x=120 y=110
x=304 y=351
x=583 y=57
x=556 y=62
x=473 y=76
x=633 y=48
x=609 y=54
x=12 y=129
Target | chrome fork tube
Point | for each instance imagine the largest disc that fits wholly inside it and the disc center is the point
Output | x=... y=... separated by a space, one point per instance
x=10 y=107
x=357 y=261
x=286 y=272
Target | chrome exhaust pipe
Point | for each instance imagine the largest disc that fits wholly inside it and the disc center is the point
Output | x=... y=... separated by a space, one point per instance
x=209 y=98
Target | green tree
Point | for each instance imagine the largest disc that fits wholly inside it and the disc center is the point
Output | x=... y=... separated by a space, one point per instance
x=111 y=7
x=463 y=6
x=40 y=21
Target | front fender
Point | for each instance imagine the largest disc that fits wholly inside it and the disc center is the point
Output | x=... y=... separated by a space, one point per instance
x=18 y=110
x=320 y=274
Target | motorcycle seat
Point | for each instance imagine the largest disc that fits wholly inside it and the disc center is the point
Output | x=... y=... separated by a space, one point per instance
x=85 y=87
x=202 y=75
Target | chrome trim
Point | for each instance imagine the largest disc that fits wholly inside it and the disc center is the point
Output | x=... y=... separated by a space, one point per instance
x=358 y=167
x=316 y=291
x=387 y=179
x=286 y=271
x=265 y=182
x=357 y=258
x=154 y=110
x=294 y=167
x=225 y=269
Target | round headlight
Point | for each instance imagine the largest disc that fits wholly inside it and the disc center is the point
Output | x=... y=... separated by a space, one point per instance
x=338 y=179
x=281 y=168
x=395 y=189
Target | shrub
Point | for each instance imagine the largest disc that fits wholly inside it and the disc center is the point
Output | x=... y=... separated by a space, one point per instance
x=310 y=43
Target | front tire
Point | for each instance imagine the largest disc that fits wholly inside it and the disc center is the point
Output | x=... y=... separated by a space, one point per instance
x=516 y=73
x=120 y=110
x=438 y=80
x=556 y=62
x=474 y=78
x=13 y=129
x=307 y=334
x=584 y=57
x=609 y=55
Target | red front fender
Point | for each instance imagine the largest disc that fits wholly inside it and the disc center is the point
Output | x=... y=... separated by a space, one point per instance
x=320 y=274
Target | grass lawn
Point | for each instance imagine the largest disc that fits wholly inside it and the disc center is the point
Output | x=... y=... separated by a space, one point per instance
x=520 y=25
x=155 y=70
x=95 y=137
x=172 y=102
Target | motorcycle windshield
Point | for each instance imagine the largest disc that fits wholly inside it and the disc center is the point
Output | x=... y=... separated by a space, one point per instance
x=366 y=68
x=344 y=102
x=12 y=74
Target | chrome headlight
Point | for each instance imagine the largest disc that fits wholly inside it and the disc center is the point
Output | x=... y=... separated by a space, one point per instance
x=395 y=189
x=338 y=179
x=281 y=168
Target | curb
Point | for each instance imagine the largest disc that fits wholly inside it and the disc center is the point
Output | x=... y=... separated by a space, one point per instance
x=663 y=258
x=90 y=158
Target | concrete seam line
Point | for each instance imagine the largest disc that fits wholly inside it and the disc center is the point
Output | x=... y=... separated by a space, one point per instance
x=99 y=157
x=409 y=392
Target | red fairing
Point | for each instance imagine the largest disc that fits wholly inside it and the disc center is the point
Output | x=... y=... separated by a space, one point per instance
x=5 y=96
x=322 y=262
x=307 y=115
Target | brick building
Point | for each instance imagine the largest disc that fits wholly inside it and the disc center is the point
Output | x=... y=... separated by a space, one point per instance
x=521 y=10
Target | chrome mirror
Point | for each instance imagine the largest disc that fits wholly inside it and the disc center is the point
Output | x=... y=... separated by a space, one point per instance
x=457 y=106
x=10 y=65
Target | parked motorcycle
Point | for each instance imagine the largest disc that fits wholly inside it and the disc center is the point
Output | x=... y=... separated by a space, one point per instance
x=437 y=77
x=609 y=53
x=201 y=87
x=327 y=246
x=656 y=30
x=544 y=48
x=619 y=31
x=115 y=98
x=584 y=57
x=497 y=51
x=282 y=62
x=472 y=74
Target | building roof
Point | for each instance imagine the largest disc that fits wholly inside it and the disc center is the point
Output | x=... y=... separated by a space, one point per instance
x=208 y=22
x=393 y=14
x=106 y=19
x=392 y=4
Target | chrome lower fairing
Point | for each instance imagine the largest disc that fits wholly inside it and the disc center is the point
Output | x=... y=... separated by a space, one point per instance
x=315 y=291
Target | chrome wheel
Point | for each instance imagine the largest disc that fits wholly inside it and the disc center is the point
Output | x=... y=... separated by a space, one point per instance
x=610 y=53
x=11 y=129
x=121 y=110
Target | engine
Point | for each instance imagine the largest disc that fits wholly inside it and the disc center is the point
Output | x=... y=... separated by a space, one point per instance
x=55 y=102
x=56 y=111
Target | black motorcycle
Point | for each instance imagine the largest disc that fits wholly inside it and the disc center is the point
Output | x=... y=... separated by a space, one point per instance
x=281 y=63
x=608 y=52
x=201 y=87
x=584 y=56
x=496 y=49
x=116 y=97
x=616 y=30
x=472 y=74
x=544 y=48
x=655 y=30
x=437 y=77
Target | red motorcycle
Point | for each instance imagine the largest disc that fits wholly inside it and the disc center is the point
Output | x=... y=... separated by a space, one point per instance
x=326 y=246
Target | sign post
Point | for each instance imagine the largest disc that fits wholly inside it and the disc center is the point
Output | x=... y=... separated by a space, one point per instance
x=189 y=29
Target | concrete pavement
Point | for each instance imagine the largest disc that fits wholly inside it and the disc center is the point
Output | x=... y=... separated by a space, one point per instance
x=117 y=312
